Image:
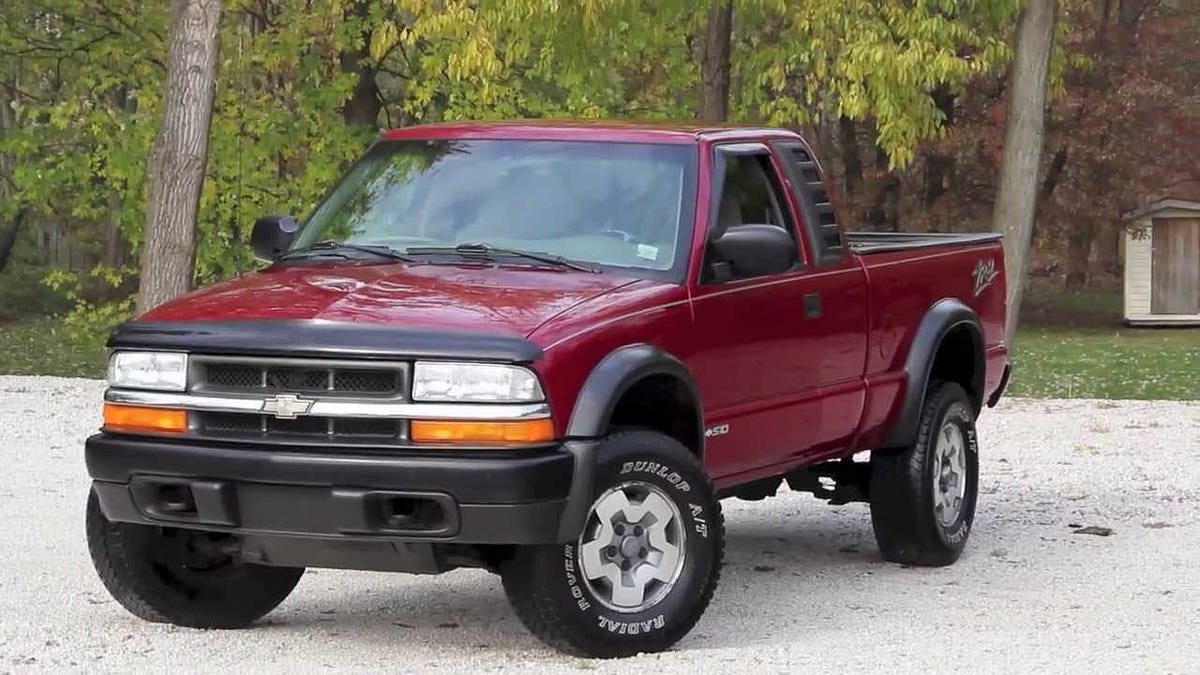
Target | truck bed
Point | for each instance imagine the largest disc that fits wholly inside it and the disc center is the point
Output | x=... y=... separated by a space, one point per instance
x=866 y=243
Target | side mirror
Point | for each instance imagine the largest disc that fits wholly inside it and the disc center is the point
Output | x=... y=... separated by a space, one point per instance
x=272 y=235
x=752 y=251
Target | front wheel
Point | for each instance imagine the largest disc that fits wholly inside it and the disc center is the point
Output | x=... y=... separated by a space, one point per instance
x=185 y=577
x=645 y=565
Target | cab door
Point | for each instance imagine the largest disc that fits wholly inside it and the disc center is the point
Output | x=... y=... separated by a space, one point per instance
x=756 y=335
x=838 y=337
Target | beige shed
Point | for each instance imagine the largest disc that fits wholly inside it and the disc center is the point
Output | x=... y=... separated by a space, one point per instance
x=1162 y=264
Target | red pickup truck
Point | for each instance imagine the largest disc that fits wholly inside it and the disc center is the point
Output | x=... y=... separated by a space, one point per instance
x=547 y=350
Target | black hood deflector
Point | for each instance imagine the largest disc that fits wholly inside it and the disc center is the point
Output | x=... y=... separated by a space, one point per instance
x=318 y=338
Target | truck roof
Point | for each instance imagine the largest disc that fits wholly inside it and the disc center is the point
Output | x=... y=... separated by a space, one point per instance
x=582 y=130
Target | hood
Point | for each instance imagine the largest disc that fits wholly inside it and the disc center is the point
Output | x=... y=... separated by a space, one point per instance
x=465 y=297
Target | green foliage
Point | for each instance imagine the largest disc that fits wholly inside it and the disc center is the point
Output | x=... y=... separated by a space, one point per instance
x=22 y=294
x=84 y=82
x=868 y=59
x=88 y=323
x=85 y=100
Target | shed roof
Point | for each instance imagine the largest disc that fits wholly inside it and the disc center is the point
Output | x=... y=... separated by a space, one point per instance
x=1161 y=205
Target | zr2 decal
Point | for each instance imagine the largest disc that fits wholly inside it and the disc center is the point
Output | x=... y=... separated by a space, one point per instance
x=985 y=273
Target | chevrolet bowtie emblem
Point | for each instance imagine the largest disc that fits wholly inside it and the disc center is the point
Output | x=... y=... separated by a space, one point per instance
x=287 y=406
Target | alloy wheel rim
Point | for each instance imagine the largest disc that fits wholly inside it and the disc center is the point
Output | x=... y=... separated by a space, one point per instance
x=632 y=548
x=949 y=474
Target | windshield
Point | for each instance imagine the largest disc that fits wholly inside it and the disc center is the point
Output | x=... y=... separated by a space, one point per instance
x=620 y=205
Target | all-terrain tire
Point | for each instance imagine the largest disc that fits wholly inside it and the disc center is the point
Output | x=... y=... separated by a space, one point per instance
x=908 y=526
x=152 y=573
x=553 y=598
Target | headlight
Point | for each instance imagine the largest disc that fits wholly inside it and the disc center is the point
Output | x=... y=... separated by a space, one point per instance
x=165 y=371
x=433 y=381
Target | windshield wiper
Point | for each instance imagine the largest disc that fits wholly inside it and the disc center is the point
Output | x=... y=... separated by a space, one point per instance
x=339 y=249
x=484 y=250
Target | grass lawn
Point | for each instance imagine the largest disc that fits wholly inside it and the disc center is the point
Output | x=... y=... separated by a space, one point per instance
x=1143 y=363
x=40 y=347
x=1092 y=357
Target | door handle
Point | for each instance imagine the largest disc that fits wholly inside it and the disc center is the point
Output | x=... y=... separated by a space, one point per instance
x=812 y=305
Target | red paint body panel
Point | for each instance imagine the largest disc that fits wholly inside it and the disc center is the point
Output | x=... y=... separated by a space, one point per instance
x=512 y=299
x=904 y=285
x=793 y=389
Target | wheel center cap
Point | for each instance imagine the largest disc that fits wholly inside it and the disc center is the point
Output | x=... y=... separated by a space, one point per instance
x=630 y=547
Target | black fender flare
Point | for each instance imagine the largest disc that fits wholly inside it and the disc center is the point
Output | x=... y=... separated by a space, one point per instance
x=613 y=376
x=594 y=407
x=945 y=315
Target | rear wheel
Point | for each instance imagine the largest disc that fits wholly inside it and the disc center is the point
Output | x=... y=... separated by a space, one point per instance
x=645 y=565
x=923 y=497
x=184 y=577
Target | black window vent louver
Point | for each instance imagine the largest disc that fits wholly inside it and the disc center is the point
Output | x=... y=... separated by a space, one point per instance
x=829 y=235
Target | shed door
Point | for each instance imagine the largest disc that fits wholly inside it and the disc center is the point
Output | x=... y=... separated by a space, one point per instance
x=1176 y=271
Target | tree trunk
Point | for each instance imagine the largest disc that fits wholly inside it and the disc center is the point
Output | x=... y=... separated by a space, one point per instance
x=180 y=153
x=364 y=105
x=1053 y=173
x=852 y=165
x=1106 y=260
x=939 y=166
x=883 y=215
x=714 y=68
x=1079 y=250
x=1016 y=198
x=116 y=250
x=8 y=121
x=1131 y=11
x=8 y=240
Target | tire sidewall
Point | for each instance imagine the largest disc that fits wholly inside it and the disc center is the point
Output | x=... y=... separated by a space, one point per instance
x=956 y=410
x=233 y=597
x=640 y=457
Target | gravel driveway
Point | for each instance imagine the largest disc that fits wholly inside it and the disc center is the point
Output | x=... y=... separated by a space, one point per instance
x=803 y=585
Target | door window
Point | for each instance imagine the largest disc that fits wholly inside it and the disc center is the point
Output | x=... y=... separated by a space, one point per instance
x=750 y=194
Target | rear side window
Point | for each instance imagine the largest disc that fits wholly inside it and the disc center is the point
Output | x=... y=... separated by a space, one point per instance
x=820 y=219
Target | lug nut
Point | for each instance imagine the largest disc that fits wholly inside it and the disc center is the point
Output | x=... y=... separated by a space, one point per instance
x=619 y=529
x=625 y=565
x=611 y=551
x=637 y=530
x=642 y=552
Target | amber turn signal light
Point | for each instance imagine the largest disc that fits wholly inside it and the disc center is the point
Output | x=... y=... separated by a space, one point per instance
x=136 y=418
x=505 y=432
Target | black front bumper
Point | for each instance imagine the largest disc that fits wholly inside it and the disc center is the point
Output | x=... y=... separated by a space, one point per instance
x=274 y=492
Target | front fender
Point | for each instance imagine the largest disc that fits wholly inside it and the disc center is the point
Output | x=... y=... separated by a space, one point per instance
x=594 y=407
x=613 y=376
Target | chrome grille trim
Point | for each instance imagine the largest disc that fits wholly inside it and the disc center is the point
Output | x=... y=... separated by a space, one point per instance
x=266 y=375
x=335 y=408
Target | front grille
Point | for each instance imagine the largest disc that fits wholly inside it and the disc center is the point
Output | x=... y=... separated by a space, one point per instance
x=243 y=375
x=251 y=426
x=264 y=378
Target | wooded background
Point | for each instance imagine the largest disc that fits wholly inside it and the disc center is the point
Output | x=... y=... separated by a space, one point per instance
x=905 y=100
